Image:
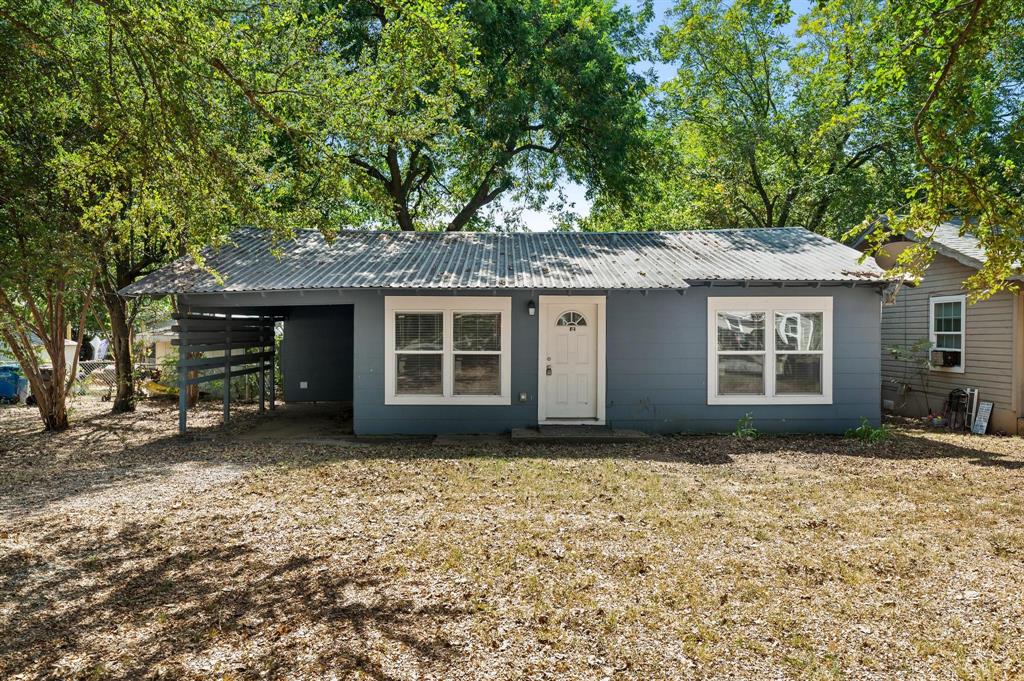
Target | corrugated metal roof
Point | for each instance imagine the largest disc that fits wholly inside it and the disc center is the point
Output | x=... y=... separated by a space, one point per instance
x=520 y=260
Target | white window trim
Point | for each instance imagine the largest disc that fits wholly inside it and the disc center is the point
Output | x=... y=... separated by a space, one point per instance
x=932 y=336
x=770 y=306
x=447 y=306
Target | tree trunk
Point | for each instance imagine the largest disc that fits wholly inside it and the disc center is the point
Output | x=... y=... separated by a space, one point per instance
x=192 y=391
x=402 y=214
x=121 y=345
x=55 y=419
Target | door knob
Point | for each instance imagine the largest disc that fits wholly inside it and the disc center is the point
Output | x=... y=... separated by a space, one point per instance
x=549 y=370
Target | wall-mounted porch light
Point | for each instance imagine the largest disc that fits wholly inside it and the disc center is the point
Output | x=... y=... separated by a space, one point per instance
x=531 y=307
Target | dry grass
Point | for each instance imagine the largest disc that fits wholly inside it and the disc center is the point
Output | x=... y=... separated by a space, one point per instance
x=126 y=553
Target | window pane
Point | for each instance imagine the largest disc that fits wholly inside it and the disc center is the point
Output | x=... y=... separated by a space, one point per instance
x=741 y=330
x=477 y=331
x=948 y=317
x=798 y=375
x=418 y=375
x=947 y=341
x=741 y=374
x=477 y=374
x=798 y=330
x=571 y=319
x=418 y=331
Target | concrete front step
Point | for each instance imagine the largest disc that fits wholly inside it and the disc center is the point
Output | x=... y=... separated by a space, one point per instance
x=577 y=434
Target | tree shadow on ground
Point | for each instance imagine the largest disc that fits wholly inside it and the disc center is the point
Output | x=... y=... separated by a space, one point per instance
x=904 y=445
x=158 y=454
x=137 y=604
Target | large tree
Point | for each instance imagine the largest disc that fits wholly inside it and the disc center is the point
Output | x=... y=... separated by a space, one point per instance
x=47 y=272
x=535 y=92
x=201 y=117
x=163 y=159
x=961 y=65
x=762 y=128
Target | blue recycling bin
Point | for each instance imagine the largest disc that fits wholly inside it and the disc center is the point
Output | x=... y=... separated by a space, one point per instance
x=10 y=380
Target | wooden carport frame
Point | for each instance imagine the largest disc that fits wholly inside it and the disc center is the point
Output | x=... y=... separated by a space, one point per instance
x=200 y=332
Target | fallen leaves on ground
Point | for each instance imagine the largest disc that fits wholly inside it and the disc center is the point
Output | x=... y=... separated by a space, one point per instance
x=126 y=552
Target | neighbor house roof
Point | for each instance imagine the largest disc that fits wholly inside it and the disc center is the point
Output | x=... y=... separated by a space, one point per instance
x=964 y=248
x=520 y=260
x=947 y=240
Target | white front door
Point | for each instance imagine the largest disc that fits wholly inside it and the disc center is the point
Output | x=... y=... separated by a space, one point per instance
x=569 y=360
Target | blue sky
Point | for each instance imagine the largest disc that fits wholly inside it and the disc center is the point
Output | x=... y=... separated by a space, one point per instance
x=539 y=221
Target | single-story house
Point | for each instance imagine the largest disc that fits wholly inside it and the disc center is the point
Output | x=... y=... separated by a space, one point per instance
x=428 y=332
x=934 y=340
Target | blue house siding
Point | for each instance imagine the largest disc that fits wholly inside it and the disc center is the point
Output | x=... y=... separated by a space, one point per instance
x=657 y=364
x=656 y=359
x=372 y=416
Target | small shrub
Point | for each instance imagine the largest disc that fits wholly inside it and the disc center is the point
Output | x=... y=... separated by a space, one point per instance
x=745 y=427
x=865 y=432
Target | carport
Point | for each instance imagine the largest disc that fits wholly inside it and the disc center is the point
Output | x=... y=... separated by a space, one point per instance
x=219 y=343
x=219 y=346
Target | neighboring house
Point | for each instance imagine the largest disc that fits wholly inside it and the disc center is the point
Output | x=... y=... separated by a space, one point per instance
x=957 y=344
x=486 y=332
x=156 y=343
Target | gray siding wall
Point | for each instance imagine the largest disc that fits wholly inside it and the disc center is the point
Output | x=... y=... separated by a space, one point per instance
x=656 y=369
x=988 y=347
x=371 y=415
x=317 y=348
x=656 y=364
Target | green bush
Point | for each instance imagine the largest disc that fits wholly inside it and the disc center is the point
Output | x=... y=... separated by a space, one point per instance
x=745 y=427
x=865 y=432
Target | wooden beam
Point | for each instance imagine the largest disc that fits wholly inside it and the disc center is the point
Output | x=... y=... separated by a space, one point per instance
x=262 y=375
x=210 y=347
x=220 y=376
x=200 y=337
x=227 y=376
x=215 y=326
x=251 y=358
x=273 y=380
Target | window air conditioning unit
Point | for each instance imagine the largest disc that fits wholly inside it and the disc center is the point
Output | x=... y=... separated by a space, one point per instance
x=945 y=358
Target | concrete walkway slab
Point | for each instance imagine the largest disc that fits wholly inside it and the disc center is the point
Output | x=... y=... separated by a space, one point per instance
x=297 y=422
x=583 y=434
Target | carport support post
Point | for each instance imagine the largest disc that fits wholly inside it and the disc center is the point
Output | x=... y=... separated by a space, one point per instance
x=261 y=375
x=182 y=385
x=273 y=369
x=227 y=371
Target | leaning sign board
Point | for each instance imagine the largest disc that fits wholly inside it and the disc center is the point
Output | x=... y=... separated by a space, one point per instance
x=981 y=420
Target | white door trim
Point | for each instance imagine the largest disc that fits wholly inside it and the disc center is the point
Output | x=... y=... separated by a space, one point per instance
x=543 y=321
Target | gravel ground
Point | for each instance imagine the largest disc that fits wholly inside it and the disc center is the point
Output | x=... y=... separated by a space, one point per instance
x=126 y=553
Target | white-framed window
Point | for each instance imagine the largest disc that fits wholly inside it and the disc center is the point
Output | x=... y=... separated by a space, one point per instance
x=947 y=326
x=447 y=350
x=770 y=350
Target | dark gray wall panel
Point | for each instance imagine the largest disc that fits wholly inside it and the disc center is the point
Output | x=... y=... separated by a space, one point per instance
x=317 y=348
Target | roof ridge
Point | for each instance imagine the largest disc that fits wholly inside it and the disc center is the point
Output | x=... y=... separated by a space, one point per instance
x=396 y=232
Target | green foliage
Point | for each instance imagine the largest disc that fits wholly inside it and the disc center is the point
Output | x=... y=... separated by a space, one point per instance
x=549 y=96
x=745 y=429
x=961 y=67
x=761 y=129
x=865 y=432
